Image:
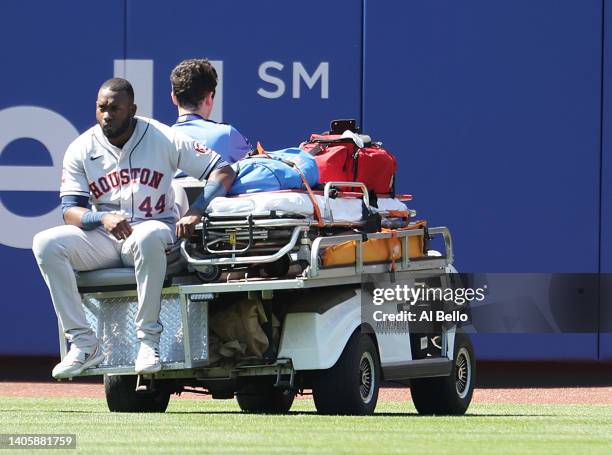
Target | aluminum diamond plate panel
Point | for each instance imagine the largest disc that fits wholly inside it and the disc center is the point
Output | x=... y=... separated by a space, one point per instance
x=113 y=321
x=197 y=315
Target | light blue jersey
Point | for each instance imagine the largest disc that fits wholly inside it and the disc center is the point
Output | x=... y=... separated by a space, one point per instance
x=223 y=139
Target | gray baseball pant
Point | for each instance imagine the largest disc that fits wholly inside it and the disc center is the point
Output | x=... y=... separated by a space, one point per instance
x=61 y=250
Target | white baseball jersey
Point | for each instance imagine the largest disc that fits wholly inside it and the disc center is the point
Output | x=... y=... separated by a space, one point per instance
x=134 y=181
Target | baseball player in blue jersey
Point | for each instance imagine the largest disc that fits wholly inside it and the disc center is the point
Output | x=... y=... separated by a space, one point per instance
x=193 y=92
x=123 y=167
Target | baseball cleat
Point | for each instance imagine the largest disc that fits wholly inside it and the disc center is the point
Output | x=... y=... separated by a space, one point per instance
x=147 y=360
x=78 y=360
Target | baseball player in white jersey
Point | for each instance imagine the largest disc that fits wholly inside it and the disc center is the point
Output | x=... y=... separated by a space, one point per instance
x=123 y=167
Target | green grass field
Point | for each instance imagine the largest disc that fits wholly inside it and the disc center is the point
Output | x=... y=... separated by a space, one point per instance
x=196 y=426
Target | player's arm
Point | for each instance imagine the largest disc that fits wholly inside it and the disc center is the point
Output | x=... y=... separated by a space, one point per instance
x=204 y=164
x=77 y=213
x=218 y=184
x=74 y=193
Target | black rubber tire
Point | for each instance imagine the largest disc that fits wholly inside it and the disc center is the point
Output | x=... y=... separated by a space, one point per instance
x=264 y=398
x=344 y=388
x=211 y=276
x=121 y=395
x=278 y=269
x=450 y=395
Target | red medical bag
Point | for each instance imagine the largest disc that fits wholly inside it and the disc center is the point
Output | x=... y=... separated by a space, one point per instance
x=340 y=159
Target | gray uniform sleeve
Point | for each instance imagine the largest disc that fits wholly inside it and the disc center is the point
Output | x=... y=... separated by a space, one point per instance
x=193 y=158
x=74 y=179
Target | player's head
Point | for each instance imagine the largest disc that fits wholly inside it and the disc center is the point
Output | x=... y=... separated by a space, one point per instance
x=115 y=107
x=194 y=82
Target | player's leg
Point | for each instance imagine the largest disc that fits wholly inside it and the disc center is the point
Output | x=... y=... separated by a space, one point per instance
x=145 y=250
x=60 y=251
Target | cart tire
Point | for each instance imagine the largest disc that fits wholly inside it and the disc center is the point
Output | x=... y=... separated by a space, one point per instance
x=350 y=387
x=121 y=395
x=449 y=395
x=213 y=274
x=278 y=269
x=264 y=398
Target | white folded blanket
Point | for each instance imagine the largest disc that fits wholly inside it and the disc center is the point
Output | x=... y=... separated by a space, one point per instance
x=343 y=209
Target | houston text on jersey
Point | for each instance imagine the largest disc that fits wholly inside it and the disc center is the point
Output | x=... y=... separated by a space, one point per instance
x=114 y=179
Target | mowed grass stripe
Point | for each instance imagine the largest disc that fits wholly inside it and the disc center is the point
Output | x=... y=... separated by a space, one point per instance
x=197 y=426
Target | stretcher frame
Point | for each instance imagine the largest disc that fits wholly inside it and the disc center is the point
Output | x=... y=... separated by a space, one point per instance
x=299 y=227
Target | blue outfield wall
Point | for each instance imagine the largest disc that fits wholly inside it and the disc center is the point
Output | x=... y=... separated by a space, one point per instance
x=52 y=66
x=492 y=108
x=262 y=59
x=605 y=315
x=494 y=111
x=278 y=85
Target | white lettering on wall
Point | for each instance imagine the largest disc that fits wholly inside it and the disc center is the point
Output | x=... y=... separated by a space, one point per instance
x=265 y=76
x=140 y=75
x=322 y=73
x=271 y=72
x=55 y=133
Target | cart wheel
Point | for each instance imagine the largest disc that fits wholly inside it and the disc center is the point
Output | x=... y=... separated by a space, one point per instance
x=264 y=398
x=351 y=385
x=121 y=395
x=278 y=268
x=449 y=395
x=211 y=273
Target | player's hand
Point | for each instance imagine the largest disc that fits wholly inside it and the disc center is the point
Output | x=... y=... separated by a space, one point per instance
x=117 y=225
x=185 y=227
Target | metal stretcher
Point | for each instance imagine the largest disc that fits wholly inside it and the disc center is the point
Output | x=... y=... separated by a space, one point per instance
x=283 y=241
